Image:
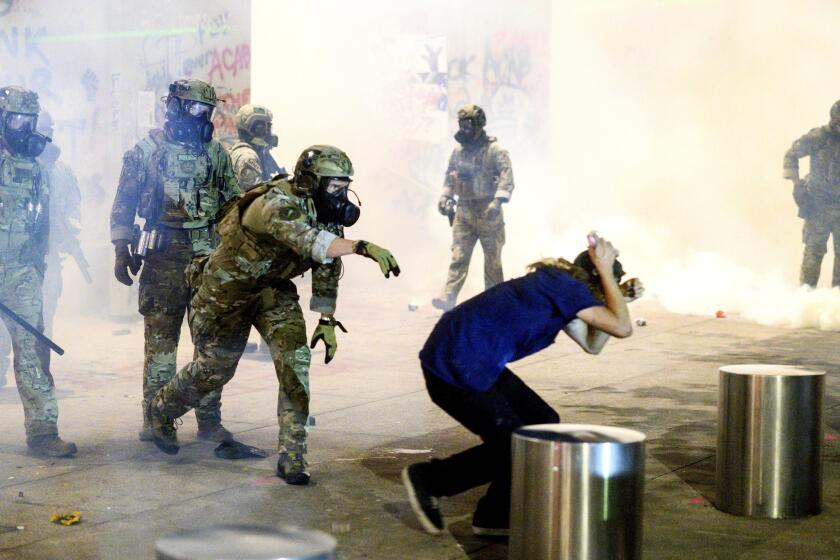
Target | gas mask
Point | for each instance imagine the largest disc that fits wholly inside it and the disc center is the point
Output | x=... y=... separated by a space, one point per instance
x=262 y=136
x=21 y=136
x=332 y=204
x=468 y=131
x=188 y=121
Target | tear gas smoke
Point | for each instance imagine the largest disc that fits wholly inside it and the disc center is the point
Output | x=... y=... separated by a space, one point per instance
x=667 y=126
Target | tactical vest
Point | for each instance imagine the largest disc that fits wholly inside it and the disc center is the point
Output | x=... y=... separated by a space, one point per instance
x=21 y=184
x=260 y=257
x=180 y=190
x=268 y=166
x=474 y=174
x=824 y=176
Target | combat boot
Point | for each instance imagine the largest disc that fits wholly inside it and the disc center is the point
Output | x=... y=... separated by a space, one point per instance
x=444 y=302
x=213 y=431
x=291 y=467
x=146 y=433
x=51 y=445
x=164 y=435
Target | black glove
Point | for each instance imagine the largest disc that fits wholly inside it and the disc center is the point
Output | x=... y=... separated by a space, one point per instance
x=444 y=204
x=124 y=262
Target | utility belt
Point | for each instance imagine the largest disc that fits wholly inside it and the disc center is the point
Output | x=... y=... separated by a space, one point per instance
x=153 y=239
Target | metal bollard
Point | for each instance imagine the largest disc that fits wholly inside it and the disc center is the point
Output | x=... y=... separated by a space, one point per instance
x=769 y=446
x=576 y=493
x=229 y=542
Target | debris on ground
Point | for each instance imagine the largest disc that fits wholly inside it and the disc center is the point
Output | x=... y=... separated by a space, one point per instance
x=641 y=322
x=720 y=314
x=67 y=519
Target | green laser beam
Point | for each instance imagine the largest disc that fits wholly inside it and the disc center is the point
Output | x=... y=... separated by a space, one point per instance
x=75 y=37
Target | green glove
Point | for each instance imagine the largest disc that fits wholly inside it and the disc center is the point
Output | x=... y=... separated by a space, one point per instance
x=326 y=331
x=387 y=262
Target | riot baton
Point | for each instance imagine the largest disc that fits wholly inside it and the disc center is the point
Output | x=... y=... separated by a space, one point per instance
x=35 y=332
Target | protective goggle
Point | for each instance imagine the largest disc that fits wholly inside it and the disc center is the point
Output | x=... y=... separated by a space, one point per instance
x=334 y=185
x=21 y=121
x=262 y=129
x=197 y=109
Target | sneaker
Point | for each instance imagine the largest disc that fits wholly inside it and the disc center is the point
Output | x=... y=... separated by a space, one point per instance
x=444 y=302
x=164 y=435
x=291 y=467
x=426 y=506
x=51 y=446
x=486 y=525
x=214 y=432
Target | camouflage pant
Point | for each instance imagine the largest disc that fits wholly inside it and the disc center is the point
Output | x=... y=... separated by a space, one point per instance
x=20 y=290
x=220 y=325
x=164 y=298
x=815 y=235
x=473 y=224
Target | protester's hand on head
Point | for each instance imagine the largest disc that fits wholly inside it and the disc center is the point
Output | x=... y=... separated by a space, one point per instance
x=632 y=289
x=603 y=253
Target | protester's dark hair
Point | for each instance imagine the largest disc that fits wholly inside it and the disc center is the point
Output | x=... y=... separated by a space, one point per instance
x=582 y=269
x=584 y=261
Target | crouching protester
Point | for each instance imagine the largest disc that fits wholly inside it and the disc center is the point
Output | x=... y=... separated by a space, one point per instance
x=465 y=359
x=275 y=232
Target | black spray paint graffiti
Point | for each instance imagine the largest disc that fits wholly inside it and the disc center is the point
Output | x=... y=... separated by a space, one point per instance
x=5 y=7
x=21 y=48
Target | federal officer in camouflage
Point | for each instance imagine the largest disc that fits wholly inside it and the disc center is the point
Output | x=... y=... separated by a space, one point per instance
x=480 y=176
x=24 y=235
x=276 y=232
x=177 y=180
x=251 y=155
x=818 y=196
x=65 y=220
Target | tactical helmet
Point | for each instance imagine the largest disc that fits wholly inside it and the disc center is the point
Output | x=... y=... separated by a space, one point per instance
x=16 y=99
x=473 y=112
x=249 y=115
x=194 y=90
x=323 y=161
x=834 y=115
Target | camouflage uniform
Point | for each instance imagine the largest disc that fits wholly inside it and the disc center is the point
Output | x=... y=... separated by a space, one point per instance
x=180 y=188
x=267 y=238
x=251 y=156
x=818 y=196
x=478 y=174
x=24 y=232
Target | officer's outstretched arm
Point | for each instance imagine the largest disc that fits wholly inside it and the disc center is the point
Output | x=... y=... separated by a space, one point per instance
x=383 y=257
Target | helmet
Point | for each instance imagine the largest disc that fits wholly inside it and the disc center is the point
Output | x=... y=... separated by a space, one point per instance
x=473 y=112
x=834 y=115
x=249 y=115
x=323 y=161
x=194 y=90
x=189 y=109
x=19 y=121
x=15 y=99
x=254 y=125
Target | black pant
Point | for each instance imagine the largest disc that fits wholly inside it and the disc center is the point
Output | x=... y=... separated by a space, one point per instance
x=492 y=415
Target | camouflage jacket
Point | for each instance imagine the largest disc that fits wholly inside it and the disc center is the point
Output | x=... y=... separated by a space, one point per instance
x=269 y=235
x=171 y=184
x=24 y=211
x=249 y=168
x=823 y=147
x=480 y=170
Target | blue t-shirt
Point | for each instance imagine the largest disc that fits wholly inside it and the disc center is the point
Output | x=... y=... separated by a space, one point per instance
x=472 y=344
